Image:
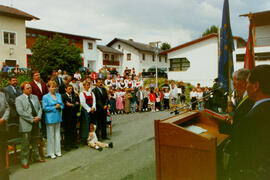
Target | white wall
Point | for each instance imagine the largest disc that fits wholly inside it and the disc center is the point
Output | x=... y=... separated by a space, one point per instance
x=135 y=57
x=262 y=35
x=89 y=54
x=10 y=24
x=149 y=63
x=203 y=57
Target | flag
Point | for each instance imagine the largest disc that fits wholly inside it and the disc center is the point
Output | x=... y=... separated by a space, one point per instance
x=249 y=57
x=226 y=48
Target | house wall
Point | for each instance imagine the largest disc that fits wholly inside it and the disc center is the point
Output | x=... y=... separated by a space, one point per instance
x=149 y=63
x=262 y=35
x=135 y=57
x=90 y=55
x=19 y=53
x=203 y=57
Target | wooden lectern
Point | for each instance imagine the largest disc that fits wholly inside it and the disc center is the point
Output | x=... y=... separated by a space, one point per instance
x=182 y=154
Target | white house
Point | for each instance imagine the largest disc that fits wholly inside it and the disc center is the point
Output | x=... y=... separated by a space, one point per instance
x=138 y=55
x=109 y=57
x=262 y=40
x=13 y=36
x=197 y=61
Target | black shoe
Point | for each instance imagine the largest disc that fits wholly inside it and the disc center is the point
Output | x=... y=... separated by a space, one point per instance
x=100 y=149
x=110 y=145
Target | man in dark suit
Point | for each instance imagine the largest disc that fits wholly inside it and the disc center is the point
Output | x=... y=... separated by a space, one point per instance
x=58 y=79
x=69 y=114
x=11 y=92
x=64 y=84
x=241 y=108
x=4 y=113
x=251 y=145
x=101 y=105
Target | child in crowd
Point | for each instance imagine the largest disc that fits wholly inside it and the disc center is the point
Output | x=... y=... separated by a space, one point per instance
x=93 y=142
x=152 y=98
x=200 y=99
x=166 y=99
x=133 y=101
x=193 y=97
x=145 y=99
x=109 y=117
x=157 y=103
x=112 y=102
x=119 y=101
x=127 y=96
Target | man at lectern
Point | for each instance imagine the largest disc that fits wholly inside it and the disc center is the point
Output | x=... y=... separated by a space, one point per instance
x=251 y=145
x=241 y=107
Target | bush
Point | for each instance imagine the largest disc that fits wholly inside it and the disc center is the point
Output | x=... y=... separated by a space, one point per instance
x=21 y=78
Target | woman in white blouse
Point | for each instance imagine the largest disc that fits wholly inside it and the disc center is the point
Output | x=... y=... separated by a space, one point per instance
x=88 y=102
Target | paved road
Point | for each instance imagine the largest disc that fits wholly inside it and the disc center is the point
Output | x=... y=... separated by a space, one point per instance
x=133 y=155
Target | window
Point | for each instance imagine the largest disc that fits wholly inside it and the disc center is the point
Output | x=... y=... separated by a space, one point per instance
x=33 y=35
x=128 y=57
x=143 y=56
x=28 y=34
x=166 y=60
x=180 y=64
x=112 y=56
x=9 y=38
x=159 y=58
x=90 y=45
x=106 y=56
x=258 y=57
x=119 y=46
x=11 y=63
x=153 y=58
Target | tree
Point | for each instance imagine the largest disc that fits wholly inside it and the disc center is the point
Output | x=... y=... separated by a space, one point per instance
x=165 y=46
x=53 y=54
x=212 y=29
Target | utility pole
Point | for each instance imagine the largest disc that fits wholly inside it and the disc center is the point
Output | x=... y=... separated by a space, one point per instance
x=155 y=45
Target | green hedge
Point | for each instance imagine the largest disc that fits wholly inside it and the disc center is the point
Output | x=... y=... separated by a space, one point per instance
x=21 y=78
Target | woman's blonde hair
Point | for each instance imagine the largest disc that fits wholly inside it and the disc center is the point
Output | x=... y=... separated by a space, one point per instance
x=52 y=83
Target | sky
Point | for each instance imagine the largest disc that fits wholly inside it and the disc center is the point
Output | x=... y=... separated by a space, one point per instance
x=172 y=21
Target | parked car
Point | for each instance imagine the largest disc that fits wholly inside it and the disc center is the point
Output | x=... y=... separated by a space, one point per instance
x=151 y=72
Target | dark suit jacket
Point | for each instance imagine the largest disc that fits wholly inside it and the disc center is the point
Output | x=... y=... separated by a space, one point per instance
x=56 y=79
x=251 y=143
x=69 y=113
x=239 y=112
x=101 y=99
x=10 y=97
x=36 y=91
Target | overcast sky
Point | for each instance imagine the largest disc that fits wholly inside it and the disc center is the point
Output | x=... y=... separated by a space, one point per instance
x=173 y=21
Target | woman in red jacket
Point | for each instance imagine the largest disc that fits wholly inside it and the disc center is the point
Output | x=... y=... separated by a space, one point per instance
x=152 y=98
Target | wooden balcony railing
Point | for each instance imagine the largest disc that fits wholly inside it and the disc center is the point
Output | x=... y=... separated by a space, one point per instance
x=110 y=62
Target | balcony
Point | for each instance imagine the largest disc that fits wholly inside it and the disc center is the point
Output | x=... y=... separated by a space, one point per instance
x=111 y=63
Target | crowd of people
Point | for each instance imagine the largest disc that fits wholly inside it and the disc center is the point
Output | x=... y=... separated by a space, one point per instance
x=41 y=108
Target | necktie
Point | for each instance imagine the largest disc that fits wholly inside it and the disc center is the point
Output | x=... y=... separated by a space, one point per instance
x=34 y=113
x=15 y=92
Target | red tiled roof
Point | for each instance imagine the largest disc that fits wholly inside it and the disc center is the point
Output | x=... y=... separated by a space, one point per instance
x=9 y=11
